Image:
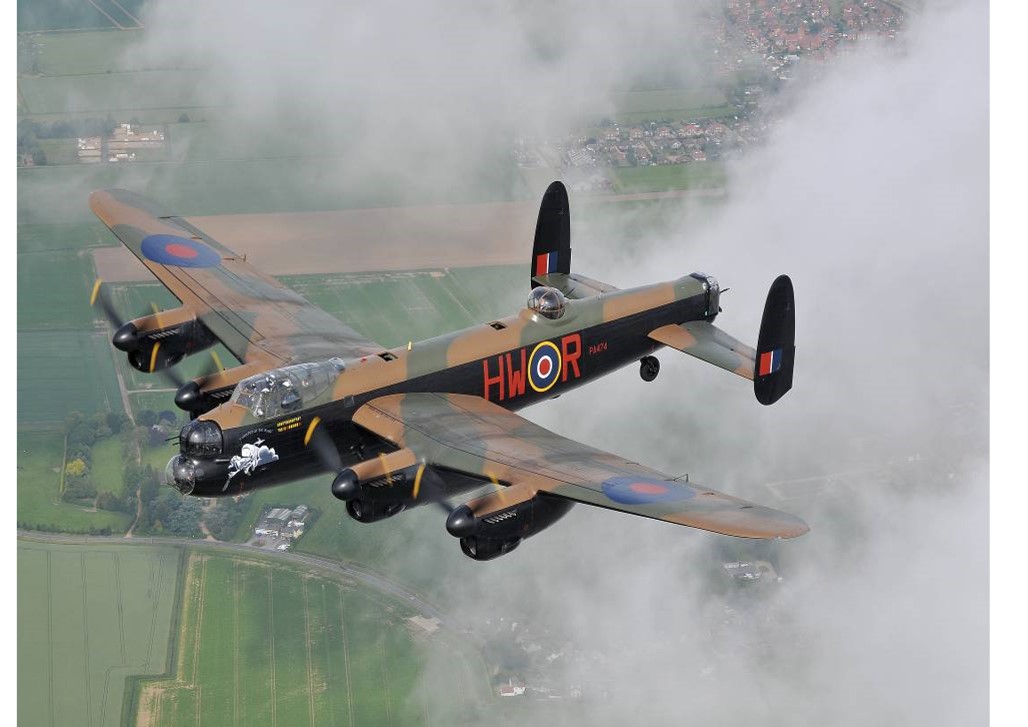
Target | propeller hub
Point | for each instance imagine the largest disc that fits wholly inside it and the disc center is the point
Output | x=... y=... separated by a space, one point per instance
x=189 y=397
x=346 y=486
x=126 y=338
x=462 y=523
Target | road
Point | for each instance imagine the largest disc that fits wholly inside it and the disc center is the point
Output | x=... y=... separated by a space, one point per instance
x=359 y=573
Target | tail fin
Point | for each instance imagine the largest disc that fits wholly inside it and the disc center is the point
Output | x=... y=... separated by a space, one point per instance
x=551 y=251
x=776 y=344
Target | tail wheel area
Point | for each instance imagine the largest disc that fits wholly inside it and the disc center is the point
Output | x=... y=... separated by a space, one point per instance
x=649 y=367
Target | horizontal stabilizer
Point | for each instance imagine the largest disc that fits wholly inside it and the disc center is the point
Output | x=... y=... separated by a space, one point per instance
x=709 y=343
x=574 y=286
x=776 y=345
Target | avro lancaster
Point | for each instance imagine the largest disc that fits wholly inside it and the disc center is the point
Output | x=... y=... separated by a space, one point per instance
x=426 y=422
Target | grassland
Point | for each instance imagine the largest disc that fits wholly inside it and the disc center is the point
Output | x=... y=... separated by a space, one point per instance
x=393 y=308
x=632 y=180
x=633 y=107
x=64 y=371
x=53 y=290
x=87 y=52
x=40 y=456
x=264 y=643
x=119 y=94
x=108 y=465
x=88 y=617
x=35 y=15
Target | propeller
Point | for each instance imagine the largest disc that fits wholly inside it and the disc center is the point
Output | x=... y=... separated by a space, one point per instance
x=319 y=440
x=126 y=338
x=125 y=334
x=429 y=485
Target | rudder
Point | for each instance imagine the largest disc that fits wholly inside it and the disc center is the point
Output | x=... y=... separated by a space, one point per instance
x=551 y=250
x=776 y=344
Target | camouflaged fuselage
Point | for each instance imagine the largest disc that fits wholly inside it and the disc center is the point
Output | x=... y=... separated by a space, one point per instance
x=512 y=362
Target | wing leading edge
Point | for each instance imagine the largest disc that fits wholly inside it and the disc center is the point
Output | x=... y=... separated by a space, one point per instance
x=256 y=317
x=471 y=435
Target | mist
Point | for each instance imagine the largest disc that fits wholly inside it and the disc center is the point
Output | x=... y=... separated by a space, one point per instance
x=872 y=193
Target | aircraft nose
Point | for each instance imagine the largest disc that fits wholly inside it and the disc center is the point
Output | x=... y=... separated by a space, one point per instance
x=180 y=474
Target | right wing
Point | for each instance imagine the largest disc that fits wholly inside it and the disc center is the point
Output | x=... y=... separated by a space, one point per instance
x=256 y=317
x=471 y=435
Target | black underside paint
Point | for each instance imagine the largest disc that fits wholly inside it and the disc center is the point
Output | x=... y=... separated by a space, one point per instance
x=614 y=344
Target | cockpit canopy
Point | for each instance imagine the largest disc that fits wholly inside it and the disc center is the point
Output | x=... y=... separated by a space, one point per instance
x=288 y=389
x=547 y=302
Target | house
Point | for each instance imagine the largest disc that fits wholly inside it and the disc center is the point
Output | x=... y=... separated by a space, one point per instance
x=510 y=689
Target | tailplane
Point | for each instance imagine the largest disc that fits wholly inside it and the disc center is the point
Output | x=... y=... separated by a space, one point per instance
x=769 y=366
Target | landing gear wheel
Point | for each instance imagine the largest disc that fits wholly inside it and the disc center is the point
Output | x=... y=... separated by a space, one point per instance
x=649 y=367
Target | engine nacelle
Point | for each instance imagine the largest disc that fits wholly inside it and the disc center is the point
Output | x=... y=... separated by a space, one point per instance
x=156 y=359
x=502 y=524
x=369 y=512
x=381 y=487
x=159 y=341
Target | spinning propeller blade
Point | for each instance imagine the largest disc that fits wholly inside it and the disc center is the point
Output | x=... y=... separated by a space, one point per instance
x=319 y=440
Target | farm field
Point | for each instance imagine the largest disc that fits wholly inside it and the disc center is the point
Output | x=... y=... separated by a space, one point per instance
x=88 y=617
x=61 y=371
x=124 y=93
x=394 y=308
x=53 y=290
x=85 y=52
x=630 y=180
x=264 y=643
x=35 y=15
x=40 y=456
x=667 y=98
x=633 y=107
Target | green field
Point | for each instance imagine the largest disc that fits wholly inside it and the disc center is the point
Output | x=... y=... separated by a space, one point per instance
x=40 y=457
x=100 y=94
x=697 y=175
x=52 y=238
x=88 y=617
x=61 y=15
x=394 y=308
x=263 y=643
x=676 y=104
x=54 y=289
x=108 y=465
x=64 y=371
x=75 y=54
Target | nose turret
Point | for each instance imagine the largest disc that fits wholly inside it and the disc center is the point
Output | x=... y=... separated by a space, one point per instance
x=180 y=474
x=201 y=438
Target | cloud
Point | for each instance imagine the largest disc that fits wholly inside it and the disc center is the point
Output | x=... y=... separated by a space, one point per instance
x=873 y=194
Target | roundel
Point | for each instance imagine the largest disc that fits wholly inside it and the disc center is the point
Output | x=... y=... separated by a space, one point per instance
x=180 y=251
x=544 y=366
x=645 y=490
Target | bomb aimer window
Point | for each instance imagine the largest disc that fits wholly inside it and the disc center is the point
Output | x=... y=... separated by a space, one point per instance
x=547 y=302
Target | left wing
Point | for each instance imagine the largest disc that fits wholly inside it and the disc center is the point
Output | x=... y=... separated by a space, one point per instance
x=255 y=316
x=471 y=435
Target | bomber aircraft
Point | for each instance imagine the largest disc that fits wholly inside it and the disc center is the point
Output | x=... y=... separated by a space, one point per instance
x=435 y=418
